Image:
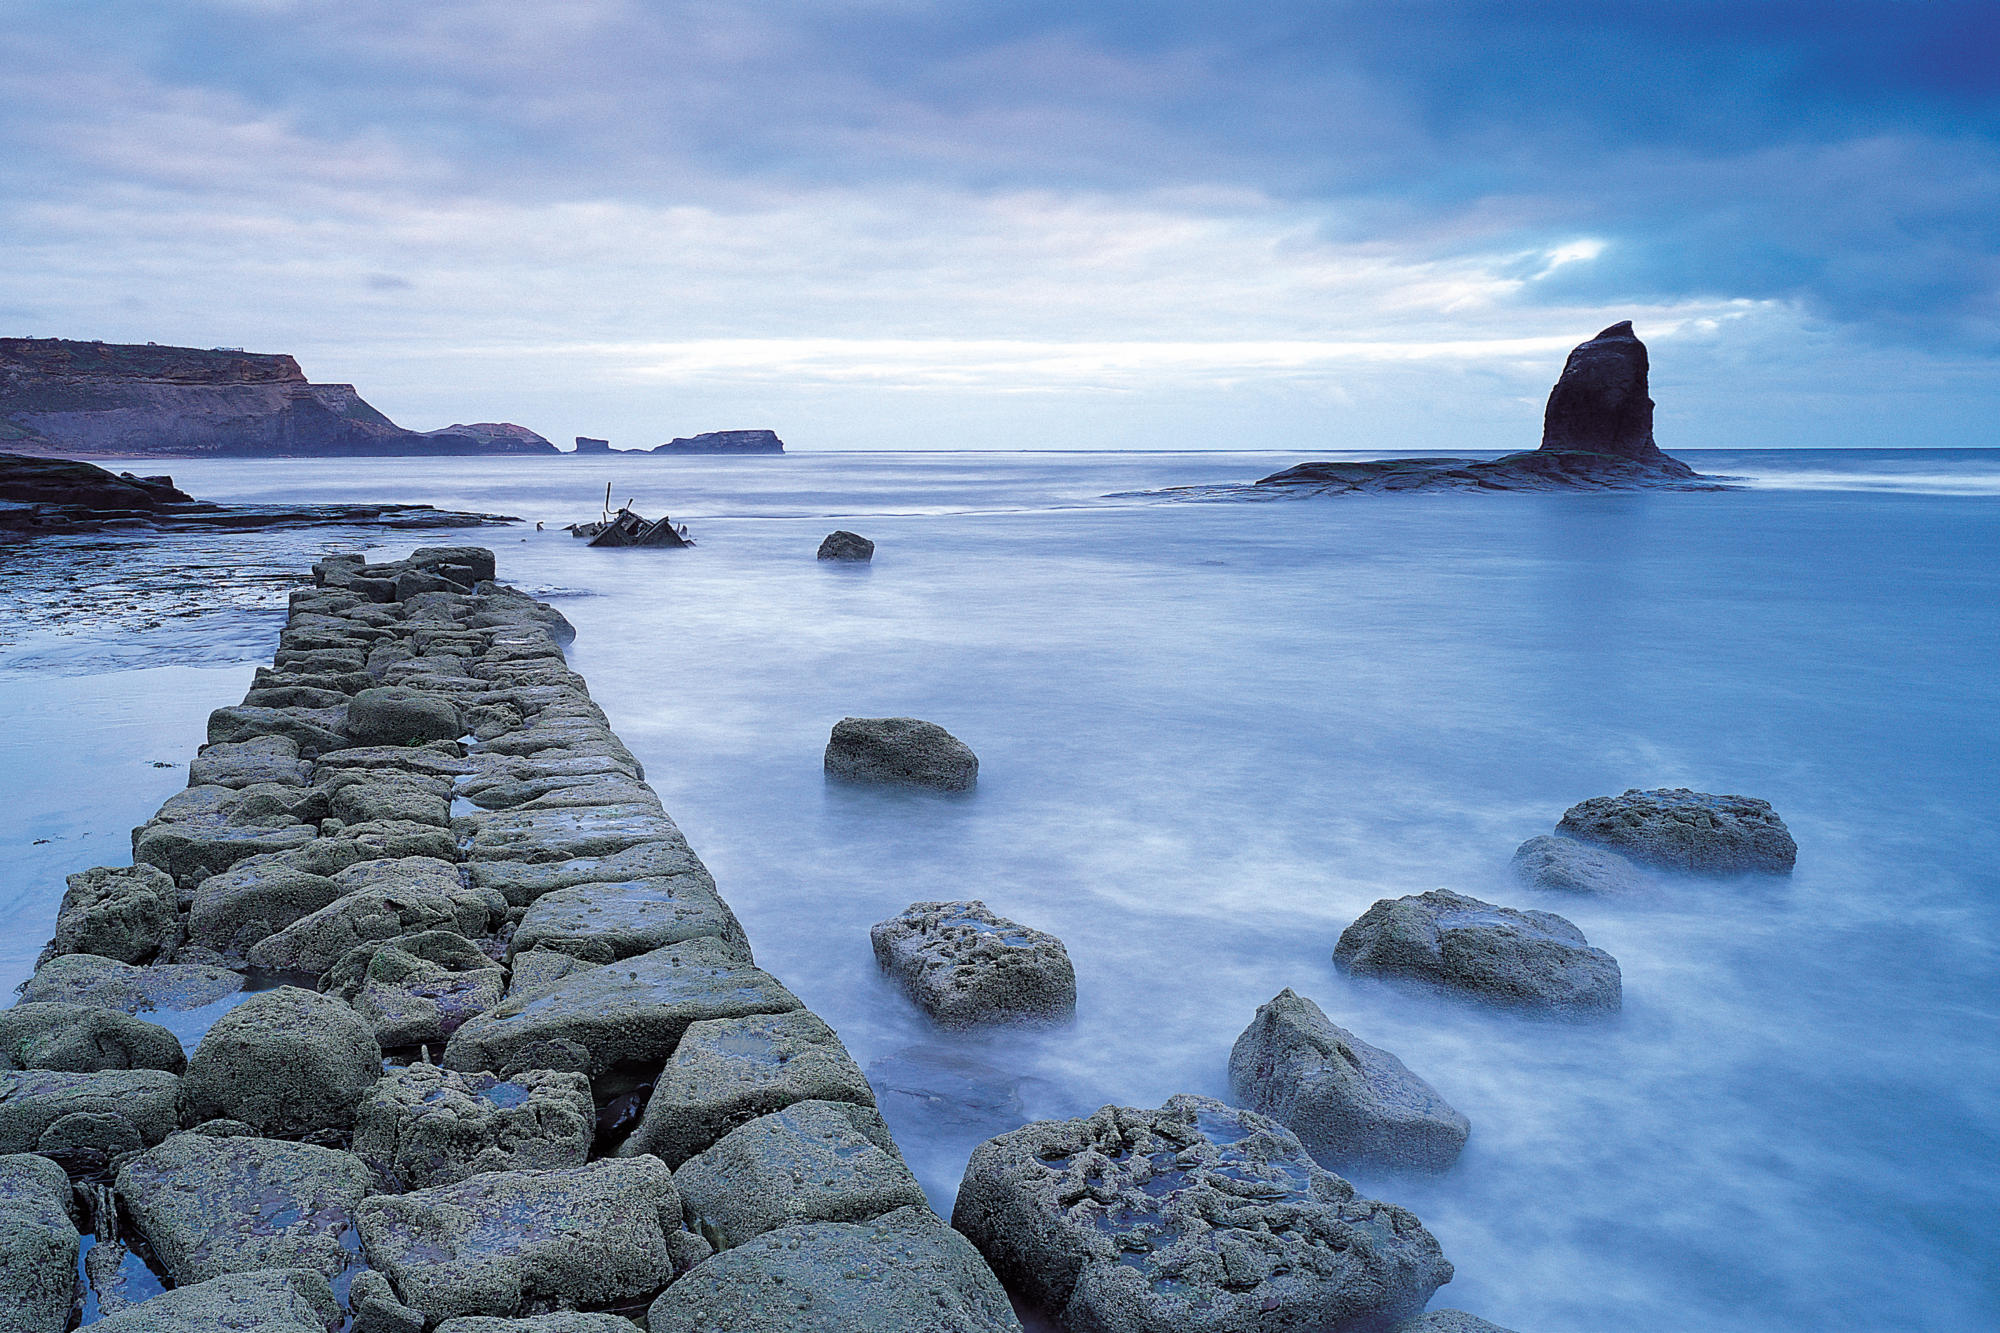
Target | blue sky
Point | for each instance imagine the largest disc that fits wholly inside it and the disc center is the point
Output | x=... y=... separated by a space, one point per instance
x=900 y=225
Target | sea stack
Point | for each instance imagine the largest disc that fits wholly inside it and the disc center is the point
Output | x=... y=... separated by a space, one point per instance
x=1601 y=403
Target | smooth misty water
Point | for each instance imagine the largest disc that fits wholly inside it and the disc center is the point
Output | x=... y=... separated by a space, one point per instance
x=1210 y=735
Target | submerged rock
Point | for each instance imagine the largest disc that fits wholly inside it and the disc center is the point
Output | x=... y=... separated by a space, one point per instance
x=498 y=1243
x=811 y=1162
x=1692 y=831
x=84 y=1039
x=964 y=965
x=275 y=1300
x=904 y=1272
x=130 y=913
x=422 y=1126
x=844 y=545
x=1569 y=866
x=901 y=751
x=38 y=1246
x=1448 y=1321
x=1349 y=1102
x=287 y=1062
x=1532 y=959
x=1193 y=1218
x=727 y=1071
x=209 y=1206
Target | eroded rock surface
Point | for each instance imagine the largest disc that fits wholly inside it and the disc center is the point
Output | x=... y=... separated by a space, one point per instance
x=38 y=1246
x=964 y=965
x=130 y=913
x=84 y=1039
x=208 y=1206
x=274 y=1300
x=496 y=1244
x=844 y=545
x=1569 y=866
x=422 y=1126
x=1692 y=831
x=1193 y=1218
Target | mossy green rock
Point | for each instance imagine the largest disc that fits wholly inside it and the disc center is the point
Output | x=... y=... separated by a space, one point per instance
x=287 y=1062
x=84 y=1039
x=209 y=1206
x=496 y=1244
x=38 y=1246
x=276 y=1300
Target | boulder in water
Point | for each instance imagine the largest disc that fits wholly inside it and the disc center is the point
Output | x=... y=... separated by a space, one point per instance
x=844 y=545
x=965 y=965
x=1196 y=1217
x=1693 y=831
x=1535 y=960
x=903 y=751
x=1348 y=1102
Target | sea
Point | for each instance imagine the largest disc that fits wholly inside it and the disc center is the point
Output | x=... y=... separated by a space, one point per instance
x=1211 y=732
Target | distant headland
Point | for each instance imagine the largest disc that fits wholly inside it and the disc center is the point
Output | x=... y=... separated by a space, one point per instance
x=64 y=397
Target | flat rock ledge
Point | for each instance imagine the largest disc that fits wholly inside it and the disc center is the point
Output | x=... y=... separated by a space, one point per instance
x=523 y=1074
x=1528 y=960
x=1193 y=1218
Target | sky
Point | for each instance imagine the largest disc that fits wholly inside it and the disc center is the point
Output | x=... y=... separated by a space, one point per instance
x=877 y=224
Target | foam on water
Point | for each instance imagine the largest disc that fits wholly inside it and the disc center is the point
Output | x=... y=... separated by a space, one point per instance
x=1211 y=735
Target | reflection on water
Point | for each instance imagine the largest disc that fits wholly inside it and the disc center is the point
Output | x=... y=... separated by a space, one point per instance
x=1211 y=735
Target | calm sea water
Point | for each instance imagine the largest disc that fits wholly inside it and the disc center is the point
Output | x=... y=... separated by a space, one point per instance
x=1210 y=735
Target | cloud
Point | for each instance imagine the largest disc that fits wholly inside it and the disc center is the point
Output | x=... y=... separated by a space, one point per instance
x=1115 y=199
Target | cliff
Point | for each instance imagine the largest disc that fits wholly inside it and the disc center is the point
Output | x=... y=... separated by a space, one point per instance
x=58 y=396
x=725 y=442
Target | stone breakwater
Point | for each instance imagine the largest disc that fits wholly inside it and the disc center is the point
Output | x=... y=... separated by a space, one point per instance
x=416 y=1011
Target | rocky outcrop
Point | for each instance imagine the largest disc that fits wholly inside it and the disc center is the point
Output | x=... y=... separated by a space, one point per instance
x=286 y=1062
x=841 y=544
x=900 y=751
x=1193 y=1218
x=1350 y=1103
x=965 y=965
x=53 y=495
x=63 y=397
x=1691 y=831
x=587 y=445
x=724 y=442
x=274 y=1300
x=1597 y=434
x=1533 y=960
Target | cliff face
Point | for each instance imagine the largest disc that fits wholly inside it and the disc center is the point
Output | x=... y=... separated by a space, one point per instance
x=64 y=397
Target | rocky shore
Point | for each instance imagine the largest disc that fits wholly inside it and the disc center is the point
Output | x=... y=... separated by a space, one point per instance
x=40 y=496
x=465 y=1032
